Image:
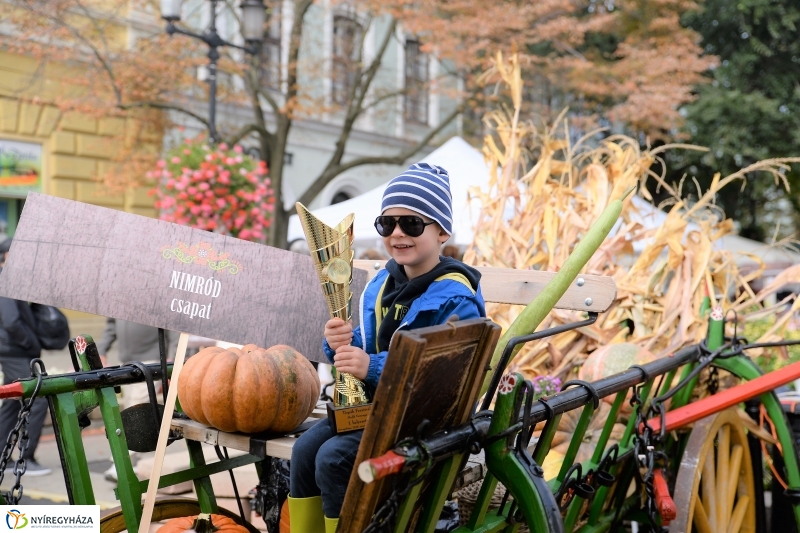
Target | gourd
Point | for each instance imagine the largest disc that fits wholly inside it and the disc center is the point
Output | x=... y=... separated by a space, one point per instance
x=202 y=523
x=612 y=359
x=249 y=390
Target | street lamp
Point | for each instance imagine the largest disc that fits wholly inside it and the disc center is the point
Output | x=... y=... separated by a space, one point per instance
x=253 y=14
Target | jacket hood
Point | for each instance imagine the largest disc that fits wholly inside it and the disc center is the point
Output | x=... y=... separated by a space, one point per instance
x=446 y=265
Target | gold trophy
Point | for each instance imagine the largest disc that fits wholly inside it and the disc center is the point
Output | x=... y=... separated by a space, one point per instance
x=332 y=255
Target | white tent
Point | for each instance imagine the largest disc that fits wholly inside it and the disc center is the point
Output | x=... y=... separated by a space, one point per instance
x=466 y=168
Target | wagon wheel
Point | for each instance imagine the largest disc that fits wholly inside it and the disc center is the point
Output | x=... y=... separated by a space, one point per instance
x=714 y=491
x=114 y=522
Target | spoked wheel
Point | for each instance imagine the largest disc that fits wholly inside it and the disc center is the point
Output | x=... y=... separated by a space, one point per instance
x=714 y=490
x=114 y=521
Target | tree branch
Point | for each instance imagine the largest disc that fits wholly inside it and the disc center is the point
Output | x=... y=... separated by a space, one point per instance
x=169 y=107
x=242 y=133
x=353 y=109
x=80 y=37
x=333 y=171
x=270 y=100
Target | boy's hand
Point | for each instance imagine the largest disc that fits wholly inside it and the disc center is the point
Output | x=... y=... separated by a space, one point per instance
x=338 y=333
x=352 y=360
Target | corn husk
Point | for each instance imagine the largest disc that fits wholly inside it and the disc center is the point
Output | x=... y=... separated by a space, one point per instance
x=544 y=193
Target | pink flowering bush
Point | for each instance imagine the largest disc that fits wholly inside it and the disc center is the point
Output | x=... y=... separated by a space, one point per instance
x=215 y=188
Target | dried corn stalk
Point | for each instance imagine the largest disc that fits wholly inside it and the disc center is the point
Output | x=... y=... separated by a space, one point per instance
x=545 y=192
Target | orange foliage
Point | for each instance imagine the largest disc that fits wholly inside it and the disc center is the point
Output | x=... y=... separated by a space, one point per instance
x=641 y=83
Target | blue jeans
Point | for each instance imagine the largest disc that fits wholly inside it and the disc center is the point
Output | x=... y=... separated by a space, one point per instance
x=321 y=465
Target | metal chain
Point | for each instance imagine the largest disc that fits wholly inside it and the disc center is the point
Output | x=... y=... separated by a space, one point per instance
x=646 y=456
x=19 y=436
x=383 y=521
x=713 y=380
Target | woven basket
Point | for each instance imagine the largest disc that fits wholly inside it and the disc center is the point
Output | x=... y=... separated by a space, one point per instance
x=469 y=495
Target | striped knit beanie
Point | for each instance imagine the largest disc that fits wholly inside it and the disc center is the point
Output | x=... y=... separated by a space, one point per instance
x=425 y=189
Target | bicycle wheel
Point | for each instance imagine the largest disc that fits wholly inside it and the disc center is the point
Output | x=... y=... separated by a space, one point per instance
x=114 y=521
x=714 y=490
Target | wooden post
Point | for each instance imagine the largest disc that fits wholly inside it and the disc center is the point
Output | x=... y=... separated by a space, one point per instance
x=163 y=435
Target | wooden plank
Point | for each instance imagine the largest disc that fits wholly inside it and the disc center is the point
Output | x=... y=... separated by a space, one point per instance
x=728 y=398
x=163 y=434
x=280 y=446
x=411 y=390
x=507 y=285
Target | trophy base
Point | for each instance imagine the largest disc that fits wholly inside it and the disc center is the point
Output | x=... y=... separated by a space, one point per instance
x=346 y=419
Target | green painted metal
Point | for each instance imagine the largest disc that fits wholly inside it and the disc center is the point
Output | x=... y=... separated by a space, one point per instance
x=576 y=441
x=167 y=480
x=545 y=439
x=667 y=384
x=75 y=454
x=714 y=339
x=631 y=426
x=492 y=523
x=479 y=513
x=443 y=477
x=82 y=360
x=52 y=385
x=202 y=484
x=605 y=522
x=407 y=507
x=505 y=466
x=127 y=491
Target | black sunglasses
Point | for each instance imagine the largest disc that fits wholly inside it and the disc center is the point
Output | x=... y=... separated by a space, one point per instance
x=411 y=225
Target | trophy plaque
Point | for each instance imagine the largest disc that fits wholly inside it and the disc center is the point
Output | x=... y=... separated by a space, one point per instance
x=333 y=258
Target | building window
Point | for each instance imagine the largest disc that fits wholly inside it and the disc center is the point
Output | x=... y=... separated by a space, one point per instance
x=340 y=197
x=416 y=99
x=271 y=49
x=347 y=35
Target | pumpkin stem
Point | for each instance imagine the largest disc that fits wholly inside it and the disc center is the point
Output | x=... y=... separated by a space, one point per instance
x=203 y=524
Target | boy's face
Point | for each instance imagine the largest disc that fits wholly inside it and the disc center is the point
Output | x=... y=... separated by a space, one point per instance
x=417 y=254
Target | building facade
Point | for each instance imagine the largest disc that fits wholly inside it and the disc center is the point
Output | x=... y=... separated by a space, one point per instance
x=65 y=154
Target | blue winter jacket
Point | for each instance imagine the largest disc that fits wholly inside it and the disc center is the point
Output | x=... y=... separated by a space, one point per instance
x=447 y=296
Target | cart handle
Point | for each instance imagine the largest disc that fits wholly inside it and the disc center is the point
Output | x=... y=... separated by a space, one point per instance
x=380 y=467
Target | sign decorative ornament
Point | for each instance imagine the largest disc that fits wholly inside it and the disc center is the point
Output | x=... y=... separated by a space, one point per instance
x=201 y=254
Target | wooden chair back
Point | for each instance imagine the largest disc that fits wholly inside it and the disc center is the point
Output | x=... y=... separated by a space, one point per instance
x=432 y=374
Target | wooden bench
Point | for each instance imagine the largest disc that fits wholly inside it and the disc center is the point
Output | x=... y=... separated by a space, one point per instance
x=475 y=342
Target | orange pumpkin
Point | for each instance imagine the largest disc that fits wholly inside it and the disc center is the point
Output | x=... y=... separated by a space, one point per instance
x=613 y=359
x=202 y=523
x=249 y=390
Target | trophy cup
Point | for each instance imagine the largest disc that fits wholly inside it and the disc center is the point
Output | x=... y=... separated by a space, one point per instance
x=332 y=255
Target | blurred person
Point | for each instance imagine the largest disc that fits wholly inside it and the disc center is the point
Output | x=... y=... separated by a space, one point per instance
x=18 y=346
x=135 y=342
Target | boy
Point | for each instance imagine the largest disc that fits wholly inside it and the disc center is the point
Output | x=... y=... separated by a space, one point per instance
x=418 y=288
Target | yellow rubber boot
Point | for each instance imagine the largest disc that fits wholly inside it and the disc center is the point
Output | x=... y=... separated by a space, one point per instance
x=331 y=524
x=305 y=515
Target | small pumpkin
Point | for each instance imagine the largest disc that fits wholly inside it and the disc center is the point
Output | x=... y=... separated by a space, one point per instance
x=249 y=390
x=285 y=525
x=203 y=523
x=612 y=359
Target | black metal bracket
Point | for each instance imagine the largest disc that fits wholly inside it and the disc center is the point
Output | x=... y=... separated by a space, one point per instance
x=515 y=341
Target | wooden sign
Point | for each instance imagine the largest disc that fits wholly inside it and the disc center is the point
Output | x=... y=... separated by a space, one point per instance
x=79 y=256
